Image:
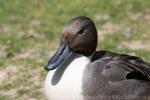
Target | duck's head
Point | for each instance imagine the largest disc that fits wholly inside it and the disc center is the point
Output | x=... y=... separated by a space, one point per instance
x=79 y=36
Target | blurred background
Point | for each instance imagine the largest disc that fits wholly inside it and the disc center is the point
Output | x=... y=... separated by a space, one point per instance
x=30 y=32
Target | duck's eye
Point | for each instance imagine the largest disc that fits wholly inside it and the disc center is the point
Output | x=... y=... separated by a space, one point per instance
x=81 y=31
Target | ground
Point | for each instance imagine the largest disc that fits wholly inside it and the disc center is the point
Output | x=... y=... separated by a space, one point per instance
x=30 y=32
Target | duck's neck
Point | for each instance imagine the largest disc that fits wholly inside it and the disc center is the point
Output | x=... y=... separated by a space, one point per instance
x=67 y=77
x=73 y=62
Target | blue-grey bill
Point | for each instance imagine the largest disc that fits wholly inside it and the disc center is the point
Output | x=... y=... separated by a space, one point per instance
x=62 y=52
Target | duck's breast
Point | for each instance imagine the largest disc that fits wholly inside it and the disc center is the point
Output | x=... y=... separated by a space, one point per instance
x=69 y=86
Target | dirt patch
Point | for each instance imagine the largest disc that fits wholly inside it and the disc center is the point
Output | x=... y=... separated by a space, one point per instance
x=9 y=72
x=137 y=45
x=107 y=28
x=102 y=16
x=11 y=93
x=2 y=50
x=145 y=15
x=35 y=76
x=3 y=74
x=4 y=28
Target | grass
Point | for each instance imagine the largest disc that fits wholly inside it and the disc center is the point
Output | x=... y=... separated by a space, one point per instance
x=30 y=32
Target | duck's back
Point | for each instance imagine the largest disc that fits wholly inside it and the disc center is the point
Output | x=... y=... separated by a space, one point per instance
x=112 y=76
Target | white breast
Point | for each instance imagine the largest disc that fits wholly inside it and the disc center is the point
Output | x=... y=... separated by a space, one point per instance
x=70 y=85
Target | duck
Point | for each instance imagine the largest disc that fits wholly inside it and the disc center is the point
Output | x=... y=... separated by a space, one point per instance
x=77 y=71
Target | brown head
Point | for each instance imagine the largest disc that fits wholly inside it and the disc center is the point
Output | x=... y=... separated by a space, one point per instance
x=79 y=36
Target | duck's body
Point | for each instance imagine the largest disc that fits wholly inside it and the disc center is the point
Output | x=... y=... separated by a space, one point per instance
x=78 y=72
x=65 y=83
x=115 y=76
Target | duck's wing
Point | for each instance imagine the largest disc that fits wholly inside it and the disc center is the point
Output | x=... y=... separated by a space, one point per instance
x=110 y=74
x=137 y=64
x=136 y=67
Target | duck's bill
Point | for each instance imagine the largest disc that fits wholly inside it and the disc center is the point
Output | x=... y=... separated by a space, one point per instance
x=61 y=54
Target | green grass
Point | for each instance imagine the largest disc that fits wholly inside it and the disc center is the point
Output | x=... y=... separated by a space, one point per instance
x=30 y=32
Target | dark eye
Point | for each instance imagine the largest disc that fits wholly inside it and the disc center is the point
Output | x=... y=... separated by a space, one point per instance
x=81 y=31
